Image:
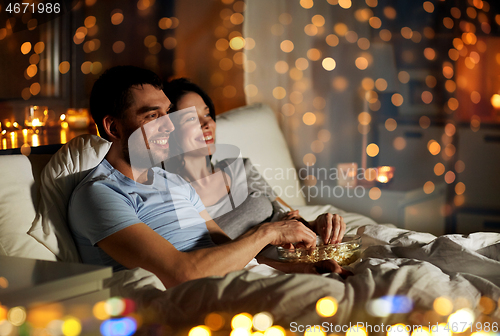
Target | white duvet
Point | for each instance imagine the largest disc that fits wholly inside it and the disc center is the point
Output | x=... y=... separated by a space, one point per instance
x=418 y=266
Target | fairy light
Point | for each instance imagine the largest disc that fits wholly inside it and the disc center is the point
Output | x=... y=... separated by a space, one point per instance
x=200 y=331
x=372 y=150
x=326 y=307
x=243 y=320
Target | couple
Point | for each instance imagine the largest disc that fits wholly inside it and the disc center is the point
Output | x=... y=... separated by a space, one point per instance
x=127 y=213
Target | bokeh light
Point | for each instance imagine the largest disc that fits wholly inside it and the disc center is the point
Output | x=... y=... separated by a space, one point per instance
x=361 y=63
x=332 y=40
x=309 y=118
x=243 y=320
x=324 y=135
x=375 y=22
x=381 y=84
x=329 y=64
x=397 y=99
x=100 y=311
x=429 y=187
x=200 y=331
x=390 y=12
x=399 y=143
x=439 y=169
x=279 y=92
x=215 y=321
x=434 y=147
x=442 y=329
x=404 y=77
x=286 y=46
x=340 y=83
x=281 y=67
x=71 y=326
x=372 y=150
x=385 y=35
x=486 y=305
x=309 y=159
x=424 y=122
x=423 y=331
x=314 y=331
x=427 y=97
x=306 y=3
x=262 y=321
x=32 y=70
x=443 y=306
x=340 y=28
x=118 y=47
x=326 y=307
x=375 y=193
x=251 y=91
x=314 y=54
x=125 y=326
x=237 y=43
x=114 y=306
x=26 y=48
x=356 y=331
x=367 y=83
x=3 y=313
x=275 y=331
x=399 y=330
x=364 y=118
x=16 y=316
x=495 y=101
x=302 y=63
x=449 y=177
x=463 y=317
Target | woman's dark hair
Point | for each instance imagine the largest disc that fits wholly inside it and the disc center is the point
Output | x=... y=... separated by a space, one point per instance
x=177 y=88
x=111 y=92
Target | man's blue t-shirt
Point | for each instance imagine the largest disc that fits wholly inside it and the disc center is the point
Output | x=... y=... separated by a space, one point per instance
x=106 y=202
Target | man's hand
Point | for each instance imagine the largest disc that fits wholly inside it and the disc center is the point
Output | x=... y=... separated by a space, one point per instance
x=330 y=227
x=320 y=267
x=289 y=231
x=291 y=215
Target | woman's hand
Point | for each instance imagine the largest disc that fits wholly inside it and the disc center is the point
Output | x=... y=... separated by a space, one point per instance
x=330 y=227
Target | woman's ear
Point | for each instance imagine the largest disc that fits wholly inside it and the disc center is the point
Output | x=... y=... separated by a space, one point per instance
x=110 y=126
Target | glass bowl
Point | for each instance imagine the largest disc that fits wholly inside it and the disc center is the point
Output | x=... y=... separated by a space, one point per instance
x=344 y=253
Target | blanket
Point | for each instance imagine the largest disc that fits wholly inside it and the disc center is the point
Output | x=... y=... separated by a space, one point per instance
x=400 y=278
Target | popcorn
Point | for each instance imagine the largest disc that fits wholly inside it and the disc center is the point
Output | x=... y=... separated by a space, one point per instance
x=344 y=253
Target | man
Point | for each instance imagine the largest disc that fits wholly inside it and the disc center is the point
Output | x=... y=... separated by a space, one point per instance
x=122 y=215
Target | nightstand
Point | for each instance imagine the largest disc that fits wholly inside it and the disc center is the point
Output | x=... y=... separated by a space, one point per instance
x=32 y=282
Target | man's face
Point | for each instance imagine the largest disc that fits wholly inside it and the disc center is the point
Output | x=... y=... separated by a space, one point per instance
x=146 y=127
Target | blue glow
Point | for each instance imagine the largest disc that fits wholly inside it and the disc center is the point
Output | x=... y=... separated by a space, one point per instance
x=124 y=326
x=399 y=304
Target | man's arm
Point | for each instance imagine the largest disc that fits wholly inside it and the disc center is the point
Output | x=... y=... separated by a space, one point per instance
x=139 y=246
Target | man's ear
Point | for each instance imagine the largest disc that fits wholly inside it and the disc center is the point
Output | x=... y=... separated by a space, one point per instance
x=110 y=126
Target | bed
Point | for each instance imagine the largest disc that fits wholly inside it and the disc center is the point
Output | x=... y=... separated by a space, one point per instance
x=406 y=277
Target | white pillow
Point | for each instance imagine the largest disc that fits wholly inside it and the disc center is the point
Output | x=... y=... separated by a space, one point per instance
x=17 y=209
x=255 y=131
x=59 y=178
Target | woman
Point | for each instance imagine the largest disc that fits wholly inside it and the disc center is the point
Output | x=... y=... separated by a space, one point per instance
x=223 y=187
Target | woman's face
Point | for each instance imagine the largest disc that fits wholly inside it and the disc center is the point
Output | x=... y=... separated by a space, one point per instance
x=187 y=130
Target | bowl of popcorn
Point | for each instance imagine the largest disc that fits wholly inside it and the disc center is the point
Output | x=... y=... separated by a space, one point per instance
x=344 y=253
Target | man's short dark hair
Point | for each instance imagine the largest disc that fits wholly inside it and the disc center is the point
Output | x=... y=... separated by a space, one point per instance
x=111 y=92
